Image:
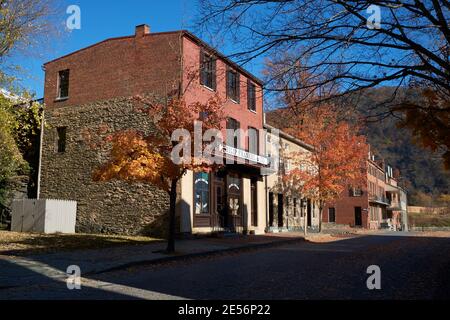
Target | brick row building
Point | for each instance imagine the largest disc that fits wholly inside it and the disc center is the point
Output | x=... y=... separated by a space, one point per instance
x=89 y=89
x=379 y=203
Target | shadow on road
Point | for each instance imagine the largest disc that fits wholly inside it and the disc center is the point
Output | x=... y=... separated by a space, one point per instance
x=38 y=286
x=412 y=267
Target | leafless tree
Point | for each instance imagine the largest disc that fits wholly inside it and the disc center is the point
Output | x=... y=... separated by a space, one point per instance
x=26 y=25
x=343 y=49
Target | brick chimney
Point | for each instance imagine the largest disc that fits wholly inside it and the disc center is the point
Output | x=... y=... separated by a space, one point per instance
x=142 y=30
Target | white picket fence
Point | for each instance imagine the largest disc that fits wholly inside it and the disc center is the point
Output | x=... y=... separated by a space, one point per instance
x=44 y=216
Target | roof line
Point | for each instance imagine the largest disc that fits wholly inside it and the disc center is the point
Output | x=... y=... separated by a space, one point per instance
x=85 y=48
x=183 y=32
x=107 y=40
x=290 y=138
x=222 y=56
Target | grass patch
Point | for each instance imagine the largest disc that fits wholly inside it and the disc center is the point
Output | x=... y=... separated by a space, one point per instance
x=14 y=243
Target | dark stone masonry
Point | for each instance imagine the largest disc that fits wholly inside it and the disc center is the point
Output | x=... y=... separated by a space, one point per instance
x=114 y=207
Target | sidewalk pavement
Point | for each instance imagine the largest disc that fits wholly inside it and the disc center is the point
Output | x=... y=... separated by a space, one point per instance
x=40 y=268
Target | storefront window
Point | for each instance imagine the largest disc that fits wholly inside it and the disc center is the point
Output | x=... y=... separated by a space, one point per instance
x=201 y=191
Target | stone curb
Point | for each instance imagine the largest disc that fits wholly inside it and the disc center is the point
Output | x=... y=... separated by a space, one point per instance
x=198 y=255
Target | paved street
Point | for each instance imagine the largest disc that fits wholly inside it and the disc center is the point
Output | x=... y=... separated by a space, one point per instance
x=411 y=268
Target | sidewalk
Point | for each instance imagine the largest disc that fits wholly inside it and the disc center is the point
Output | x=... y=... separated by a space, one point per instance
x=40 y=268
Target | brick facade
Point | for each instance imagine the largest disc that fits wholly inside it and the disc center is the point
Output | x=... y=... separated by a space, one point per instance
x=371 y=202
x=345 y=209
x=101 y=78
x=118 y=67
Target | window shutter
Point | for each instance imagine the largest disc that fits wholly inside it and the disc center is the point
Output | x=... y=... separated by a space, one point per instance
x=202 y=67
x=214 y=82
x=238 y=87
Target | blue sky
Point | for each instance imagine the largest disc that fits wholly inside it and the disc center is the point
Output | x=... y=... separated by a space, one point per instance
x=101 y=19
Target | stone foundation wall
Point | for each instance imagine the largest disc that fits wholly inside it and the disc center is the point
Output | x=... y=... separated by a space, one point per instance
x=18 y=189
x=114 y=207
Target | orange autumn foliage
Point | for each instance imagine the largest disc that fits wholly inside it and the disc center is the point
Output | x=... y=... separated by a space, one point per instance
x=337 y=160
x=146 y=157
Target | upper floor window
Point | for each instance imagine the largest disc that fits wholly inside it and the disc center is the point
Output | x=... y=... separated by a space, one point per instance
x=355 y=192
x=251 y=96
x=233 y=133
x=380 y=192
x=62 y=135
x=207 y=70
x=63 y=84
x=253 y=140
x=281 y=166
x=287 y=165
x=233 y=85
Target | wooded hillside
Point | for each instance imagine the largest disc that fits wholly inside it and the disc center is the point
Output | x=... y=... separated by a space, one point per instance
x=422 y=171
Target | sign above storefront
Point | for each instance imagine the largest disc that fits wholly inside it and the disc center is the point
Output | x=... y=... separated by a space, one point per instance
x=245 y=155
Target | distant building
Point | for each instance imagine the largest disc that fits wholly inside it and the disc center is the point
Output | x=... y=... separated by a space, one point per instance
x=378 y=203
x=397 y=210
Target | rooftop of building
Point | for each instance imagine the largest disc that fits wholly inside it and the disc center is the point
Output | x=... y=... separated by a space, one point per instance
x=185 y=33
x=289 y=137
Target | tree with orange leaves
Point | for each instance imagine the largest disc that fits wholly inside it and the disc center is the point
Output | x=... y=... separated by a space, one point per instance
x=137 y=156
x=338 y=157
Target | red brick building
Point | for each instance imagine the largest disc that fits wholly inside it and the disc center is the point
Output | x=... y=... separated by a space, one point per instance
x=367 y=206
x=87 y=88
x=149 y=62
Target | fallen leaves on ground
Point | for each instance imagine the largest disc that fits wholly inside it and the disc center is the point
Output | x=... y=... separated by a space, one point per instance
x=323 y=238
x=14 y=243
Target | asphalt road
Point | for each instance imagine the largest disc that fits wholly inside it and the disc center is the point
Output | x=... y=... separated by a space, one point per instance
x=411 y=268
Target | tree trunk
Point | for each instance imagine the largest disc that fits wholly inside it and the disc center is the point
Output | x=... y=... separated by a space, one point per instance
x=320 y=218
x=172 y=217
x=305 y=220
